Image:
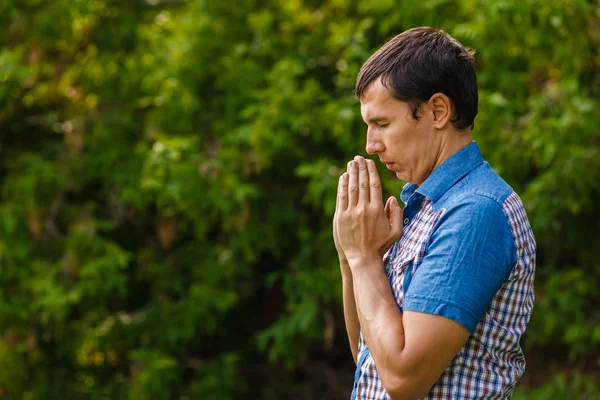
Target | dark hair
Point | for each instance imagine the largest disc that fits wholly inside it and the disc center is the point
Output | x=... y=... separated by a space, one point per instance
x=423 y=61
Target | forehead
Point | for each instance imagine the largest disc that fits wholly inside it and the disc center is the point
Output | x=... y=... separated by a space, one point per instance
x=377 y=100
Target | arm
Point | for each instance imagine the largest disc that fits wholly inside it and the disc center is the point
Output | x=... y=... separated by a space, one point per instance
x=411 y=349
x=349 y=303
x=442 y=305
x=350 y=314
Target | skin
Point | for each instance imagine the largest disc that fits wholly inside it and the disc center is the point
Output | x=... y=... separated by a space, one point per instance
x=411 y=349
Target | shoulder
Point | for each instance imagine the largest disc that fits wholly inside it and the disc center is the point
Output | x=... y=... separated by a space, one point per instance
x=481 y=196
x=481 y=187
x=475 y=210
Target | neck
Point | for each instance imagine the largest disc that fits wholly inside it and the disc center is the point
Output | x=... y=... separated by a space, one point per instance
x=455 y=141
x=452 y=142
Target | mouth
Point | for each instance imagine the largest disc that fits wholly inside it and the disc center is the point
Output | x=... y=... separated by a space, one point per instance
x=389 y=165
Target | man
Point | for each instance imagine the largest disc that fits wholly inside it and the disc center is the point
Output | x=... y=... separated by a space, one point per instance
x=437 y=295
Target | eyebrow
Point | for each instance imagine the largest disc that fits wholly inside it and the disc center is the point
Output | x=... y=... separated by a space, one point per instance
x=376 y=119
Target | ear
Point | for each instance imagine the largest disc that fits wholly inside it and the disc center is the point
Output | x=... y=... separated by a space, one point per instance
x=440 y=108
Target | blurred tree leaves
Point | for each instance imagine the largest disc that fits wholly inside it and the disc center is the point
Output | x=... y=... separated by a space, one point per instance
x=168 y=174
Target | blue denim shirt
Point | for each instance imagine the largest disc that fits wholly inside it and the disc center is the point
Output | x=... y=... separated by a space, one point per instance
x=466 y=253
x=471 y=250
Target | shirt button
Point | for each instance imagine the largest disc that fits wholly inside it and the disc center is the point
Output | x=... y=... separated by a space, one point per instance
x=406 y=220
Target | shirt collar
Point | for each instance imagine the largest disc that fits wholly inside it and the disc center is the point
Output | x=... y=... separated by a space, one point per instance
x=446 y=175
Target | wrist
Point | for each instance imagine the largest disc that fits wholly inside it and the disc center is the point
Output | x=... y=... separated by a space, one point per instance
x=344 y=265
x=364 y=259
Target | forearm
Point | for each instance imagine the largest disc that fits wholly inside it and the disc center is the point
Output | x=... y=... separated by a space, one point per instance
x=380 y=319
x=350 y=314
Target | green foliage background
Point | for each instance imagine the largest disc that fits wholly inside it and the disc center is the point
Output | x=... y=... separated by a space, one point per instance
x=167 y=184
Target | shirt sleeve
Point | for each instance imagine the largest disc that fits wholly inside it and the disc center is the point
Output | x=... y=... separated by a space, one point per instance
x=469 y=257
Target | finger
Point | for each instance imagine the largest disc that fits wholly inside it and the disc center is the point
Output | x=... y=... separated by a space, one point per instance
x=396 y=217
x=388 y=210
x=363 y=181
x=337 y=194
x=374 y=182
x=352 y=184
x=342 y=197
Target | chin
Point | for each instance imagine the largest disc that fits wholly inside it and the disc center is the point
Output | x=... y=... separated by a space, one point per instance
x=404 y=176
x=401 y=176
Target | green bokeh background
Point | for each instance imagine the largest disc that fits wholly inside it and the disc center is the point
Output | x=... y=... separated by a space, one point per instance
x=168 y=172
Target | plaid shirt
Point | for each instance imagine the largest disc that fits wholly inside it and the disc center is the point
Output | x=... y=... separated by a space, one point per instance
x=491 y=361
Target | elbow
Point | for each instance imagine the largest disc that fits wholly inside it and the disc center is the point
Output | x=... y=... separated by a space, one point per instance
x=403 y=388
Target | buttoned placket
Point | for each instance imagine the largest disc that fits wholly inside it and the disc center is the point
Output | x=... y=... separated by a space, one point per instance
x=413 y=206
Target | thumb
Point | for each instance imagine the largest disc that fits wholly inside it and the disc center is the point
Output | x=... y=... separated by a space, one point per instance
x=396 y=214
x=388 y=210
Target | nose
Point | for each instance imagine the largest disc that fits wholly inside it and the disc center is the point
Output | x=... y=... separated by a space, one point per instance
x=374 y=143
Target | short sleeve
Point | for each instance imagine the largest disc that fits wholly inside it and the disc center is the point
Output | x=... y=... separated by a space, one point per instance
x=469 y=257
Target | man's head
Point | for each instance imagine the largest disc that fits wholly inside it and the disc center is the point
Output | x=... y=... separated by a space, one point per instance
x=419 y=98
x=423 y=61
